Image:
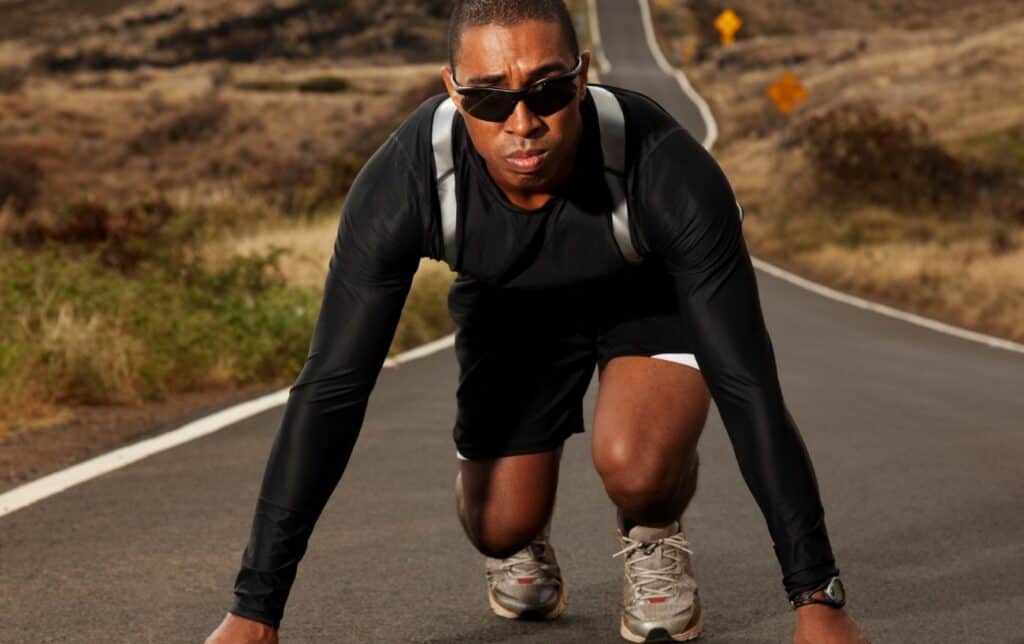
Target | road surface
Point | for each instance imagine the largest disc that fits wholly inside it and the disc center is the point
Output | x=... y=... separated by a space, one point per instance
x=916 y=437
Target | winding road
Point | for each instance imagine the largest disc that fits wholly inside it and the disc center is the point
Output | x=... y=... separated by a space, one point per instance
x=916 y=436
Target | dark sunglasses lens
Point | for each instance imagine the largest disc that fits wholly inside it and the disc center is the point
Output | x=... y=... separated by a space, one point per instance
x=551 y=97
x=489 y=106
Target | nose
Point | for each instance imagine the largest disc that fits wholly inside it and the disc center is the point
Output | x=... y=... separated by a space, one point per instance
x=523 y=122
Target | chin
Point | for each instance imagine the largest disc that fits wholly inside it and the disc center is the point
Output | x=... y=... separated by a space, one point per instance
x=528 y=180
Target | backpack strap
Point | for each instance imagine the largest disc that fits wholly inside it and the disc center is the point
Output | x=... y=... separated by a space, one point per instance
x=613 y=146
x=444 y=162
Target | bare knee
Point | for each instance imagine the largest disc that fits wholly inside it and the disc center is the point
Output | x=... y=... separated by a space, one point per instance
x=499 y=529
x=642 y=481
x=498 y=540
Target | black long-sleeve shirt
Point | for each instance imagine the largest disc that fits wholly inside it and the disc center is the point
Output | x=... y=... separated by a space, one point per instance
x=684 y=220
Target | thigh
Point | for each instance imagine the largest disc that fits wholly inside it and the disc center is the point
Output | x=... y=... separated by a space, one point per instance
x=649 y=412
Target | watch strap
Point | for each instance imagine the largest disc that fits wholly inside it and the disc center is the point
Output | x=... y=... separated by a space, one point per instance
x=806 y=597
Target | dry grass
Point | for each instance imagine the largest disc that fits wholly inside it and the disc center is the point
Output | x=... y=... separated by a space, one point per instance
x=310 y=244
x=962 y=283
x=109 y=375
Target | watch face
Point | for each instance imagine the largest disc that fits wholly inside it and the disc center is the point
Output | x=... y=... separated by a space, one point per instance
x=835 y=590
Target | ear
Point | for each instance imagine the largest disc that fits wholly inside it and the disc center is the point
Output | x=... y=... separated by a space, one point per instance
x=584 y=78
x=446 y=76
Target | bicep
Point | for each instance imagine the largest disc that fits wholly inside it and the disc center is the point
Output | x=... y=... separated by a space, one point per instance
x=375 y=255
x=695 y=231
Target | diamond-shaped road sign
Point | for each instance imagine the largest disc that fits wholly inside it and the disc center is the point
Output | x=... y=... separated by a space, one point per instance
x=787 y=92
x=728 y=23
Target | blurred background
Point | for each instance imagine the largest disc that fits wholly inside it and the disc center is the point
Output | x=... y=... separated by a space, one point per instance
x=171 y=174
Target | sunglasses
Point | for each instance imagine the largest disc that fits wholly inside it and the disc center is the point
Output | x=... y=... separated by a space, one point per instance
x=544 y=97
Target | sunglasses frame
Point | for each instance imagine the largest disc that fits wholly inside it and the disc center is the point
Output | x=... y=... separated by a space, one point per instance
x=517 y=94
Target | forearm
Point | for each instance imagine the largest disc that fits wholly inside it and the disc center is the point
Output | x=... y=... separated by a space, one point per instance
x=736 y=356
x=306 y=462
x=321 y=422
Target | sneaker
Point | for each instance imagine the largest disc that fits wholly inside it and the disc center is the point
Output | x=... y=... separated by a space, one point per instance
x=527 y=585
x=659 y=594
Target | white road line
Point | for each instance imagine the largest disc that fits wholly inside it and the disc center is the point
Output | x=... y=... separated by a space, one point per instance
x=882 y=309
x=595 y=38
x=710 y=124
x=792 y=278
x=61 y=480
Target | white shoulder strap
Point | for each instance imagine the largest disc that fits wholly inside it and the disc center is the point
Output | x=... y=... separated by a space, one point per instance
x=613 y=146
x=444 y=161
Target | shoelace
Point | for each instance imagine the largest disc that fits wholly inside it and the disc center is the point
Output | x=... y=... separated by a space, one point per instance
x=527 y=562
x=648 y=583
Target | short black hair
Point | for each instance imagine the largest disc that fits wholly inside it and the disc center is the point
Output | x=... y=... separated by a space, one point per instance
x=474 y=13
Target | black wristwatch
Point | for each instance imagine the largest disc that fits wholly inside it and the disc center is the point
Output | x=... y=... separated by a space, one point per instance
x=835 y=595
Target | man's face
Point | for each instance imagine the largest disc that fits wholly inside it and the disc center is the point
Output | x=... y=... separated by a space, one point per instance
x=526 y=153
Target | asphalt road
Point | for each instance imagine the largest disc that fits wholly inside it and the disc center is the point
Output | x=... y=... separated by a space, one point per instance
x=624 y=43
x=916 y=437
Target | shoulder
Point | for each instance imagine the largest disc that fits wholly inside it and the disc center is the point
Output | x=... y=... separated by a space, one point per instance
x=413 y=136
x=659 y=147
x=647 y=122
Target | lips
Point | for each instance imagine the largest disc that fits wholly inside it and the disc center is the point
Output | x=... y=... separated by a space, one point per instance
x=526 y=160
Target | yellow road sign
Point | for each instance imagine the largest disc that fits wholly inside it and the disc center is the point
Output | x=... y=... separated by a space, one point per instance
x=787 y=92
x=728 y=23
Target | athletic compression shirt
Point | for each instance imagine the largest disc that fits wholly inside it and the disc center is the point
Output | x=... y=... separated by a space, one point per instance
x=683 y=219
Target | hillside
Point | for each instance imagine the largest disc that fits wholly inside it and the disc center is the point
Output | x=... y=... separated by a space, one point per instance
x=65 y=35
x=902 y=176
x=112 y=101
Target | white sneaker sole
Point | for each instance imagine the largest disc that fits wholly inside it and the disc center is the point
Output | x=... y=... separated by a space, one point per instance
x=554 y=612
x=690 y=634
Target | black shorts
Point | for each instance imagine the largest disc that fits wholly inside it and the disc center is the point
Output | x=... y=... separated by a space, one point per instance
x=526 y=357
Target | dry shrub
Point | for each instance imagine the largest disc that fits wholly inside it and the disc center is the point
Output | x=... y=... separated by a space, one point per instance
x=195 y=122
x=336 y=174
x=324 y=85
x=861 y=155
x=12 y=79
x=21 y=178
x=249 y=31
x=124 y=236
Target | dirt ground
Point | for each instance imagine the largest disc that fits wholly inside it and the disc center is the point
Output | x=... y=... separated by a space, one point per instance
x=84 y=432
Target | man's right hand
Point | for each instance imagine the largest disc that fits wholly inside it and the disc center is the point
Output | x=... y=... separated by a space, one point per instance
x=239 y=630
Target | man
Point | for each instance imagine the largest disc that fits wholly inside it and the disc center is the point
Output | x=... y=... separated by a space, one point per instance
x=546 y=291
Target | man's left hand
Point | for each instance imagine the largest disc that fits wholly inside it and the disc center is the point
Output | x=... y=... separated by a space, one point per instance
x=818 y=624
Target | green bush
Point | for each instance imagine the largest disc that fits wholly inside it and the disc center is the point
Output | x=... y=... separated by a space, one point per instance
x=90 y=334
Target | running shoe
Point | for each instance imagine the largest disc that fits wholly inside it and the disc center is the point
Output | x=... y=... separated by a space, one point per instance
x=527 y=585
x=659 y=594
